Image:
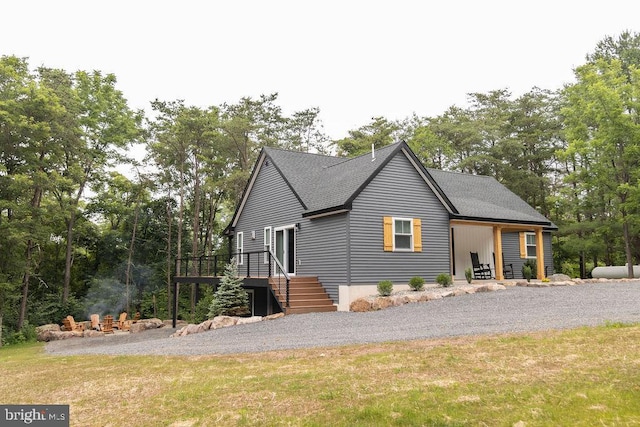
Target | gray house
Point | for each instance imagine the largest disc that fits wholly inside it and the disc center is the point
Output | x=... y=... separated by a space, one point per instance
x=341 y=225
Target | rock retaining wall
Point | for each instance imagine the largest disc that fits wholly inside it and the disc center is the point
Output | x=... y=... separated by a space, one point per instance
x=221 y=322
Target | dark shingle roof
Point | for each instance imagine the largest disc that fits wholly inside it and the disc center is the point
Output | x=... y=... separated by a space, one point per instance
x=325 y=182
x=483 y=197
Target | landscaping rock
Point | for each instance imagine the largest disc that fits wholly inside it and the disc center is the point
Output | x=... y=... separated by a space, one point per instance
x=223 y=322
x=559 y=278
x=90 y=333
x=247 y=320
x=47 y=336
x=361 y=305
x=145 y=324
x=273 y=316
x=42 y=332
x=382 y=303
x=490 y=287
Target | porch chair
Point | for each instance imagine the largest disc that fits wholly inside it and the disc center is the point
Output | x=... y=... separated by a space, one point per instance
x=71 y=325
x=507 y=269
x=480 y=271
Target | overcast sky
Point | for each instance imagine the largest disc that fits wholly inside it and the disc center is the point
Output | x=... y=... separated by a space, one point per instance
x=352 y=59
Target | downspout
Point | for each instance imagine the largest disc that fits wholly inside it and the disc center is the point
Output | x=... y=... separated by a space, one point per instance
x=348 y=249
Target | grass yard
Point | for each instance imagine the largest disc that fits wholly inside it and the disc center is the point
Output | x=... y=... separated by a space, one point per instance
x=586 y=376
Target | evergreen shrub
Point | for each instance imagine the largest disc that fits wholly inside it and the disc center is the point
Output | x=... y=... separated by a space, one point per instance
x=416 y=283
x=230 y=299
x=385 y=287
x=444 y=280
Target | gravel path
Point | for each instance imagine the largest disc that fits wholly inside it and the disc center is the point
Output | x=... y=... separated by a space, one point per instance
x=516 y=309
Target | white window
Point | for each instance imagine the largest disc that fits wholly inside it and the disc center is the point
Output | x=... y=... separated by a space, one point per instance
x=267 y=244
x=240 y=247
x=530 y=243
x=403 y=234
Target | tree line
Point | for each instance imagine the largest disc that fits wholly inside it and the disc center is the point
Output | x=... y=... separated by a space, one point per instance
x=78 y=235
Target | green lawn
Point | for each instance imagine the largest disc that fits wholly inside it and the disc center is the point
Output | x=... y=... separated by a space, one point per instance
x=587 y=376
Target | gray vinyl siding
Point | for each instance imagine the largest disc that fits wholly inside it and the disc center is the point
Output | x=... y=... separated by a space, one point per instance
x=511 y=251
x=397 y=191
x=322 y=251
x=271 y=203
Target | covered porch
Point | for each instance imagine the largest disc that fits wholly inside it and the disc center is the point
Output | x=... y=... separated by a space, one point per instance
x=488 y=240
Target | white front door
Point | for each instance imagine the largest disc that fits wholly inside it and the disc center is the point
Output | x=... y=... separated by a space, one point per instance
x=285 y=248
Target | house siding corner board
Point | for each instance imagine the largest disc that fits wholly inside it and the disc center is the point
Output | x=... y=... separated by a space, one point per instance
x=397 y=191
x=271 y=203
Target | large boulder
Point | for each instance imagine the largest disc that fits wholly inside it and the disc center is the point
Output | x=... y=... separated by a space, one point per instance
x=223 y=322
x=360 y=305
x=274 y=316
x=247 y=320
x=559 y=278
x=90 y=333
x=57 y=335
x=42 y=332
x=145 y=324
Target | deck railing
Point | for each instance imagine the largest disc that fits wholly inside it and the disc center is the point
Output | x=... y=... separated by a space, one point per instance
x=250 y=264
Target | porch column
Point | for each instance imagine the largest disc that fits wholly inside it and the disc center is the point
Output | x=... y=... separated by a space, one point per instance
x=539 y=253
x=497 y=250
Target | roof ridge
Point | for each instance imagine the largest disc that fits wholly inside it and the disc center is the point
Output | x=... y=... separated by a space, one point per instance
x=348 y=159
x=284 y=150
x=475 y=175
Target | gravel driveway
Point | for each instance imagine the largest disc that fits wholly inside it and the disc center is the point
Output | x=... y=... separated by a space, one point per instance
x=516 y=309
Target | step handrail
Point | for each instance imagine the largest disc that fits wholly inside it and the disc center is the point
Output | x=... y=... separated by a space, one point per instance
x=281 y=269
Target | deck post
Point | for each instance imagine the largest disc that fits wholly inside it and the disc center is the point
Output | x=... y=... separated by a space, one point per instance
x=175 y=304
x=497 y=252
x=287 y=293
x=540 y=253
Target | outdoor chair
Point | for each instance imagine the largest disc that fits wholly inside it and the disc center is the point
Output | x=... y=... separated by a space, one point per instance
x=95 y=322
x=507 y=269
x=123 y=324
x=71 y=325
x=480 y=271
x=107 y=324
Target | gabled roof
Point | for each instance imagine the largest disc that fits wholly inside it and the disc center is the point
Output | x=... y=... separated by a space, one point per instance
x=326 y=184
x=478 y=197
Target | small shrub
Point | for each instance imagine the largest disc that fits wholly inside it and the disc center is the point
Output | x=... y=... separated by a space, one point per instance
x=444 y=280
x=385 y=287
x=531 y=263
x=416 y=283
x=546 y=280
x=468 y=275
x=526 y=272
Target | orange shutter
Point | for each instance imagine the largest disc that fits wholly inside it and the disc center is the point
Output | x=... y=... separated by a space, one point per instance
x=417 y=235
x=523 y=245
x=388 y=233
